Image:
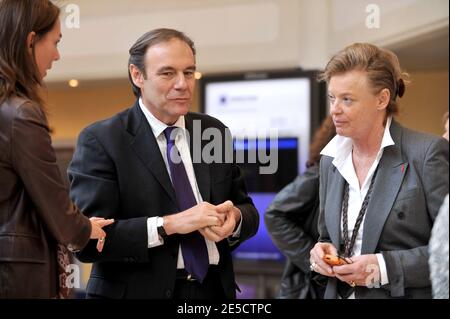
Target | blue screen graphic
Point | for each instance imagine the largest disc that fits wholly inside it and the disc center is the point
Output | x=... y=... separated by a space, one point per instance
x=260 y=247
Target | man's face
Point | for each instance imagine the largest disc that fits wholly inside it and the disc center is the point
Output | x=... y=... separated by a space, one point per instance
x=168 y=86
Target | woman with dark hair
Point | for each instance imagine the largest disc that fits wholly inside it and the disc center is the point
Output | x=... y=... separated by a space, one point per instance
x=37 y=218
x=291 y=220
x=381 y=185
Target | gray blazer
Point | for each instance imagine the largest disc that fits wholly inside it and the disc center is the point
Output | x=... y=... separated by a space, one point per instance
x=410 y=186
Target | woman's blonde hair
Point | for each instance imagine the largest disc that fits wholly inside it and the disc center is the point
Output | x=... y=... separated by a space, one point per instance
x=381 y=65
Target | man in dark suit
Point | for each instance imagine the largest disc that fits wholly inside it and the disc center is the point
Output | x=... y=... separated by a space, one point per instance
x=179 y=209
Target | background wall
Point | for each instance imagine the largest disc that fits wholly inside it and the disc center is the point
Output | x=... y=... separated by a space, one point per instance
x=229 y=34
x=425 y=102
x=400 y=21
x=239 y=35
x=70 y=110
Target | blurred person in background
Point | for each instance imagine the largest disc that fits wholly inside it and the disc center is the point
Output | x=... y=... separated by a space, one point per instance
x=439 y=245
x=37 y=218
x=381 y=185
x=439 y=253
x=445 y=126
x=291 y=220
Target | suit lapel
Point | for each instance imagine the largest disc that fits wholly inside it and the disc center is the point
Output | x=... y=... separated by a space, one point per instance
x=333 y=204
x=201 y=169
x=391 y=171
x=147 y=150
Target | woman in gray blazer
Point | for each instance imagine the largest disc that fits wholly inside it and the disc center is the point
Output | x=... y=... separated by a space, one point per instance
x=37 y=218
x=381 y=185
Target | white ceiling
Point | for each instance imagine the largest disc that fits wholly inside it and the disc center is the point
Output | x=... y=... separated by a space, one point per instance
x=234 y=35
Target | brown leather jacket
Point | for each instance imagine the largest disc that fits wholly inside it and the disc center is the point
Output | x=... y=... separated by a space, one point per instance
x=35 y=209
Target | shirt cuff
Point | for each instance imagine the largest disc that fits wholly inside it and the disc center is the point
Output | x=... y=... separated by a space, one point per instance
x=234 y=238
x=237 y=233
x=154 y=239
x=383 y=271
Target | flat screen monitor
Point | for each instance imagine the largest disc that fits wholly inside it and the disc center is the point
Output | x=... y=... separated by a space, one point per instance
x=259 y=247
x=284 y=105
x=262 y=189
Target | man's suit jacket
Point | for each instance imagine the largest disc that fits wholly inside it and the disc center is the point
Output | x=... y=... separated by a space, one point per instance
x=118 y=172
x=410 y=185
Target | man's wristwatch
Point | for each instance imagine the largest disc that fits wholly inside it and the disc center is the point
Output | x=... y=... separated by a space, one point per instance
x=160 y=227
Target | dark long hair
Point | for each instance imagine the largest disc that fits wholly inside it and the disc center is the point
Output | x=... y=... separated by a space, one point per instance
x=322 y=137
x=19 y=75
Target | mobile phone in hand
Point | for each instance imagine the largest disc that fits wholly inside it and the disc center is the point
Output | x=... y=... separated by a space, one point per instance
x=333 y=260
